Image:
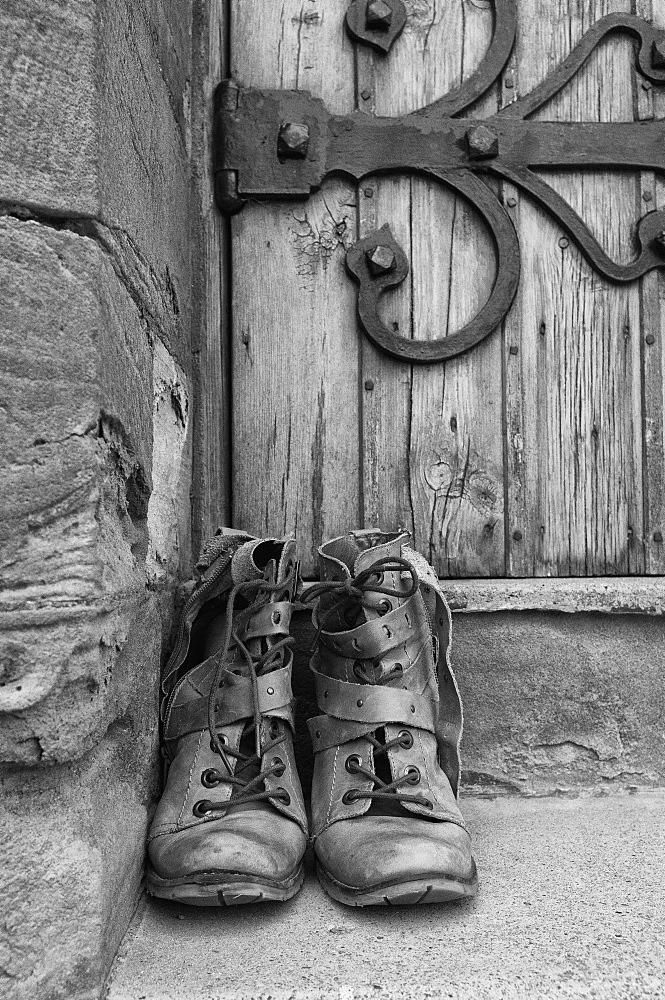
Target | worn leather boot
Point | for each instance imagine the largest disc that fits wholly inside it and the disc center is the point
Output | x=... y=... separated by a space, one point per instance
x=231 y=825
x=386 y=825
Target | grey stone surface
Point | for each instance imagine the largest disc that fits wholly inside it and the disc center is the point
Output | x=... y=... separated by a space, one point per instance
x=571 y=905
x=555 y=702
x=95 y=127
x=72 y=849
x=95 y=460
x=613 y=594
x=78 y=491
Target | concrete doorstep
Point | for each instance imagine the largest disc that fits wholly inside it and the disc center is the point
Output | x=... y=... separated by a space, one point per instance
x=571 y=904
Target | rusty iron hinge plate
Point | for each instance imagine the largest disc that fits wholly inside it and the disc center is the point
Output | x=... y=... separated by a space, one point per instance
x=278 y=144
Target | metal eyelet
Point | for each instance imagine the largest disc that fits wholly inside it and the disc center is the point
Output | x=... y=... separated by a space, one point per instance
x=349 y=797
x=405 y=739
x=359 y=703
x=201 y=808
x=281 y=793
x=352 y=763
x=222 y=739
x=384 y=606
x=278 y=763
x=379 y=577
x=413 y=775
x=270 y=691
x=210 y=778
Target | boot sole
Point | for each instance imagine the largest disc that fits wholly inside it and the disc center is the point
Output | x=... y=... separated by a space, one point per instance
x=224 y=889
x=438 y=889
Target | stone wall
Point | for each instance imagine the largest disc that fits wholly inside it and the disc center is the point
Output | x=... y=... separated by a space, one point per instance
x=95 y=460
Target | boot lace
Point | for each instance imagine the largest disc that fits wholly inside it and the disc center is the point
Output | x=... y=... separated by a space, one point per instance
x=251 y=789
x=352 y=592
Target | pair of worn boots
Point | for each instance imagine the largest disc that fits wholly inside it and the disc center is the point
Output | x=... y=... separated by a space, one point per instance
x=231 y=826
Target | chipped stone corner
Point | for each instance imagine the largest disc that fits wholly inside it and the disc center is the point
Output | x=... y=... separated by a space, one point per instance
x=168 y=515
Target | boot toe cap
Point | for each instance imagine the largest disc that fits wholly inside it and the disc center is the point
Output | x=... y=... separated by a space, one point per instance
x=246 y=843
x=370 y=851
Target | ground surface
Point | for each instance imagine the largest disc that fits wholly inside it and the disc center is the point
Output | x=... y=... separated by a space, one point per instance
x=571 y=904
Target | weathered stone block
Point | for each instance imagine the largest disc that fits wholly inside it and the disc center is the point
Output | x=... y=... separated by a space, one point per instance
x=95 y=126
x=77 y=438
x=72 y=840
x=554 y=702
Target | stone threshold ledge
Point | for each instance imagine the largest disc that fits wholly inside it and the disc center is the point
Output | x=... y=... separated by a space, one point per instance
x=608 y=594
x=613 y=595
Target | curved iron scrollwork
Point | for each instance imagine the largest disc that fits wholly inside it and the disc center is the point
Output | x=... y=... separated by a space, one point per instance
x=285 y=143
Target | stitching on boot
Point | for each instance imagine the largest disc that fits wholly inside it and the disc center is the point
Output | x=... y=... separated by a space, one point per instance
x=429 y=777
x=189 y=783
x=293 y=785
x=332 y=784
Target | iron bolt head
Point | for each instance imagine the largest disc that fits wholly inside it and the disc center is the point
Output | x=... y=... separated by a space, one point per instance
x=483 y=143
x=381 y=260
x=293 y=140
x=658 y=54
x=379 y=15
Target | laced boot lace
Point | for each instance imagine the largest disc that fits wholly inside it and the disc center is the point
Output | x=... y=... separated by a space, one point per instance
x=351 y=592
x=250 y=789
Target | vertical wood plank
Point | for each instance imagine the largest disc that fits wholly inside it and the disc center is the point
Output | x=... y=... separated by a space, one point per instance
x=651 y=104
x=211 y=496
x=295 y=344
x=432 y=456
x=572 y=356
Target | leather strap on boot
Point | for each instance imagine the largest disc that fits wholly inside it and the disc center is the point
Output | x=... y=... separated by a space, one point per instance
x=400 y=699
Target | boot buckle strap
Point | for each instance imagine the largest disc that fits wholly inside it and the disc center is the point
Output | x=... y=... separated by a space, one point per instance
x=373 y=704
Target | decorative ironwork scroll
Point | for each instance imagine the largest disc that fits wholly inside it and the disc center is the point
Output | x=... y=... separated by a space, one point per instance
x=281 y=144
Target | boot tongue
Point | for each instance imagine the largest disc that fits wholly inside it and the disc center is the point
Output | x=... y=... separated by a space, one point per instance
x=244 y=565
x=387 y=547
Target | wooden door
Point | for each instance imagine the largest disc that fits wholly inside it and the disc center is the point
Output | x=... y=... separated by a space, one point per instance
x=538 y=453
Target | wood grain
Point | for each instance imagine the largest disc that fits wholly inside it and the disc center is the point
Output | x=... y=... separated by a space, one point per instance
x=211 y=486
x=650 y=104
x=432 y=456
x=572 y=351
x=294 y=340
x=542 y=451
